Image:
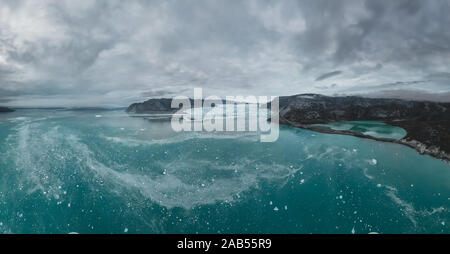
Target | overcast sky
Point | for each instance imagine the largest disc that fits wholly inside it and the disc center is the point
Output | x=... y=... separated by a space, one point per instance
x=112 y=53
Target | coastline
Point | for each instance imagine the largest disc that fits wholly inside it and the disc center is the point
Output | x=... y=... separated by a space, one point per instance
x=420 y=147
x=426 y=123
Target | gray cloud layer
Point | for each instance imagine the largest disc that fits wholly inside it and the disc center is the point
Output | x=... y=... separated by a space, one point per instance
x=112 y=52
x=328 y=75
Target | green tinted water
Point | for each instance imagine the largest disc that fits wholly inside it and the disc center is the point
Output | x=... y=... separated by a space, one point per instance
x=370 y=128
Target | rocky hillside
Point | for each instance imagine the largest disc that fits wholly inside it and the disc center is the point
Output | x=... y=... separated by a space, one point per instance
x=162 y=105
x=152 y=106
x=5 y=110
x=313 y=108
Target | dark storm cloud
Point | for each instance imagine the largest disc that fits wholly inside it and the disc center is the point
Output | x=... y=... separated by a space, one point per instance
x=326 y=87
x=392 y=86
x=410 y=95
x=400 y=84
x=328 y=75
x=162 y=93
x=117 y=52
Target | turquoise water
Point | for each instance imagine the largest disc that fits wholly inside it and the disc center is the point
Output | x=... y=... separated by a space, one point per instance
x=106 y=172
x=370 y=128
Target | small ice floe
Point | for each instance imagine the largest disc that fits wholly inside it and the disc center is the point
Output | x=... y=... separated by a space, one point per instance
x=20 y=118
x=302 y=181
x=270 y=203
x=373 y=162
x=142 y=129
x=373 y=233
x=353 y=230
x=412 y=185
x=285 y=207
x=98 y=116
x=436 y=210
x=355 y=150
x=73 y=233
x=366 y=174
x=379 y=185
x=276 y=209
x=443 y=223
x=122 y=129
x=125 y=230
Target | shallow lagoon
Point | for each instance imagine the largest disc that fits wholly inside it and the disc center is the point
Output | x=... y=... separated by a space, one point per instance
x=371 y=128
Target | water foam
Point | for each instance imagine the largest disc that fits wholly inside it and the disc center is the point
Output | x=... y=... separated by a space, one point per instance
x=135 y=141
x=32 y=158
x=407 y=208
x=43 y=150
x=172 y=190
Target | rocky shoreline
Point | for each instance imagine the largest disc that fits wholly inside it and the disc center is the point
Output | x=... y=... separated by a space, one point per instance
x=420 y=147
x=5 y=110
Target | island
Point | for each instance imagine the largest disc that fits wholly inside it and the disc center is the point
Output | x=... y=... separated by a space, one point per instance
x=162 y=105
x=5 y=110
x=157 y=106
